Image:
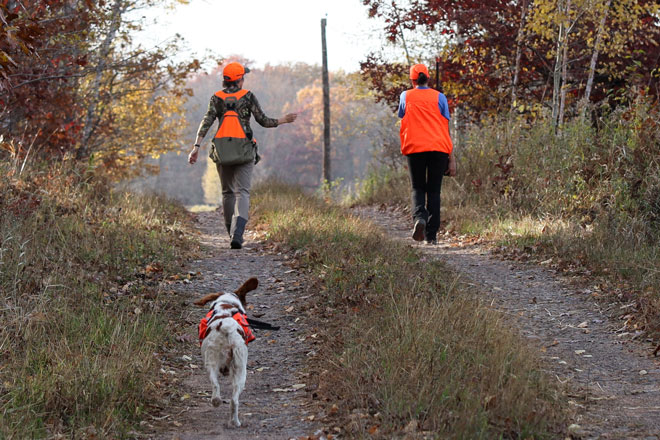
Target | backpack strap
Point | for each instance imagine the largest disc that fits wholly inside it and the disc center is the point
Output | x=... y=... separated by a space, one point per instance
x=238 y=95
x=230 y=99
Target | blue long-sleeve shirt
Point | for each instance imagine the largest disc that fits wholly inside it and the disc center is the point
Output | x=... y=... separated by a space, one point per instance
x=443 y=105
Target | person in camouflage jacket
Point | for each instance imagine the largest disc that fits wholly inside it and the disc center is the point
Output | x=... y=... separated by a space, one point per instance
x=235 y=179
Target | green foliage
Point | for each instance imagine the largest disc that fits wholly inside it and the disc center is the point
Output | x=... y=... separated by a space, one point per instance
x=78 y=332
x=411 y=335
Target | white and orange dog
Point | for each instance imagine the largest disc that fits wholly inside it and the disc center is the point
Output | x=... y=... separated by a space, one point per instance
x=224 y=334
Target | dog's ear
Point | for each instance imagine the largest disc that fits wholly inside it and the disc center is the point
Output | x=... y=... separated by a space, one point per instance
x=207 y=298
x=247 y=286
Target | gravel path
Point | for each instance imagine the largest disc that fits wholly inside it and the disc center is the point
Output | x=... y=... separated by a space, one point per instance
x=275 y=403
x=613 y=382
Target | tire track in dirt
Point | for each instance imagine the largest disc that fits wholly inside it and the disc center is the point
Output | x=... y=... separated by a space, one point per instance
x=612 y=381
x=276 y=359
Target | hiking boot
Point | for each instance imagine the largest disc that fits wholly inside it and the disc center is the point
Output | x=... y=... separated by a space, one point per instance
x=418 y=230
x=237 y=233
x=431 y=241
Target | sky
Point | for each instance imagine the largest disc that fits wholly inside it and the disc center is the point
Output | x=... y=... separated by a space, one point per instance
x=269 y=31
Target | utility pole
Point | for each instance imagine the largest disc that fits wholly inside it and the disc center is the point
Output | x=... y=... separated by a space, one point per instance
x=326 y=108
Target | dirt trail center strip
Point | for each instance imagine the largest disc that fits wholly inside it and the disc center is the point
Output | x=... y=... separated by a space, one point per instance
x=274 y=404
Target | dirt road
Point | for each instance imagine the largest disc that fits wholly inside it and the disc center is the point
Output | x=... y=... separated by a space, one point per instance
x=274 y=404
x=613 y=381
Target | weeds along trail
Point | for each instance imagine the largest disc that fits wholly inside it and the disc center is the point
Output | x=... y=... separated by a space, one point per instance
x=612 y=382
x=406 y=349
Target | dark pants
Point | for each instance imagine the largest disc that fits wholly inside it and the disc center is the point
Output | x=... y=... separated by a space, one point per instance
x=426 y=171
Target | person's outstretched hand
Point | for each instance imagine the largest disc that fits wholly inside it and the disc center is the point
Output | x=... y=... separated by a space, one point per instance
x=192 y=157
x=287 y=119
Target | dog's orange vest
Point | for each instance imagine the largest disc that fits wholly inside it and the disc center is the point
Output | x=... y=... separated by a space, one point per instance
x=238 y=317
x=423 y=127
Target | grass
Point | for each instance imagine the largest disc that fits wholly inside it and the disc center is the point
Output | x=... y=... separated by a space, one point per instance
x=78 y=264
x=409 y=344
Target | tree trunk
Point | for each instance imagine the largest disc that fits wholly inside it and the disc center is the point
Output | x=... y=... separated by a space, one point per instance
x=516 y=70
x=564 y=62
x=564 y=82
x=403 y=39
x=326 y=108
x=557 y=69
x=458 y=116
x=91 y=121
x=594 y=55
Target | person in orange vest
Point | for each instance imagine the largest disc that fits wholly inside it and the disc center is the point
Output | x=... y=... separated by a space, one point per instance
x=428 y=148
x=235 y=179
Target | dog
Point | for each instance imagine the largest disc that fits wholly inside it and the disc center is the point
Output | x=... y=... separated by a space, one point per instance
x=224 y=334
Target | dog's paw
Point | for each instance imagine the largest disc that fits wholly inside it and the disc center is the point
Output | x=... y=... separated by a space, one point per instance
x=216 y=401
x=233 y=424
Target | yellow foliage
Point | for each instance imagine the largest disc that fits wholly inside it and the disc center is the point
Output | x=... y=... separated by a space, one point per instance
x=146 y=124
x=211 y=183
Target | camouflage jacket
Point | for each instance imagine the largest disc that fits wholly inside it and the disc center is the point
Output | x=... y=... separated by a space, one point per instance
x=247 y=106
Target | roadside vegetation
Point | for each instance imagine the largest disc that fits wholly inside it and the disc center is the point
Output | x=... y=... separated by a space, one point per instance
x=415 y=348
x=585 y=200
x=79 y=268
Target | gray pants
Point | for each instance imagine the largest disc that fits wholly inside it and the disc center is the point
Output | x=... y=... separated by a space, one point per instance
x=236 y=181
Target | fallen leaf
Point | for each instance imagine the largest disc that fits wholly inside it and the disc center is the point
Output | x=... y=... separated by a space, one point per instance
x=298 y=386
x=583 y=324
x=185 y=338
x=580 y=351
x=643 y=372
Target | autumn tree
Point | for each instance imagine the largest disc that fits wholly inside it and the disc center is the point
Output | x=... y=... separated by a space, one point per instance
x=520 y=54
x=71 y=74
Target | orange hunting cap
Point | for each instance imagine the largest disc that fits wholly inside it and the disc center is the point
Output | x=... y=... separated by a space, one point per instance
x=234 y=71
x=416 y=70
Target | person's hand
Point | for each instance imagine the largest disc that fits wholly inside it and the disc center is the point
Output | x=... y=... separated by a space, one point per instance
x=287 y=119
x=451 y=171
x=192 y=157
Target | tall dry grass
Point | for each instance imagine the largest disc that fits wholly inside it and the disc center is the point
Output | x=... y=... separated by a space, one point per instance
x=588 y=196
x=77 y=339
x=411 y=345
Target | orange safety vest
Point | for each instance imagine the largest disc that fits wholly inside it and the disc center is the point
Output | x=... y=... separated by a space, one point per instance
x=423 y=127
x=238 y=317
